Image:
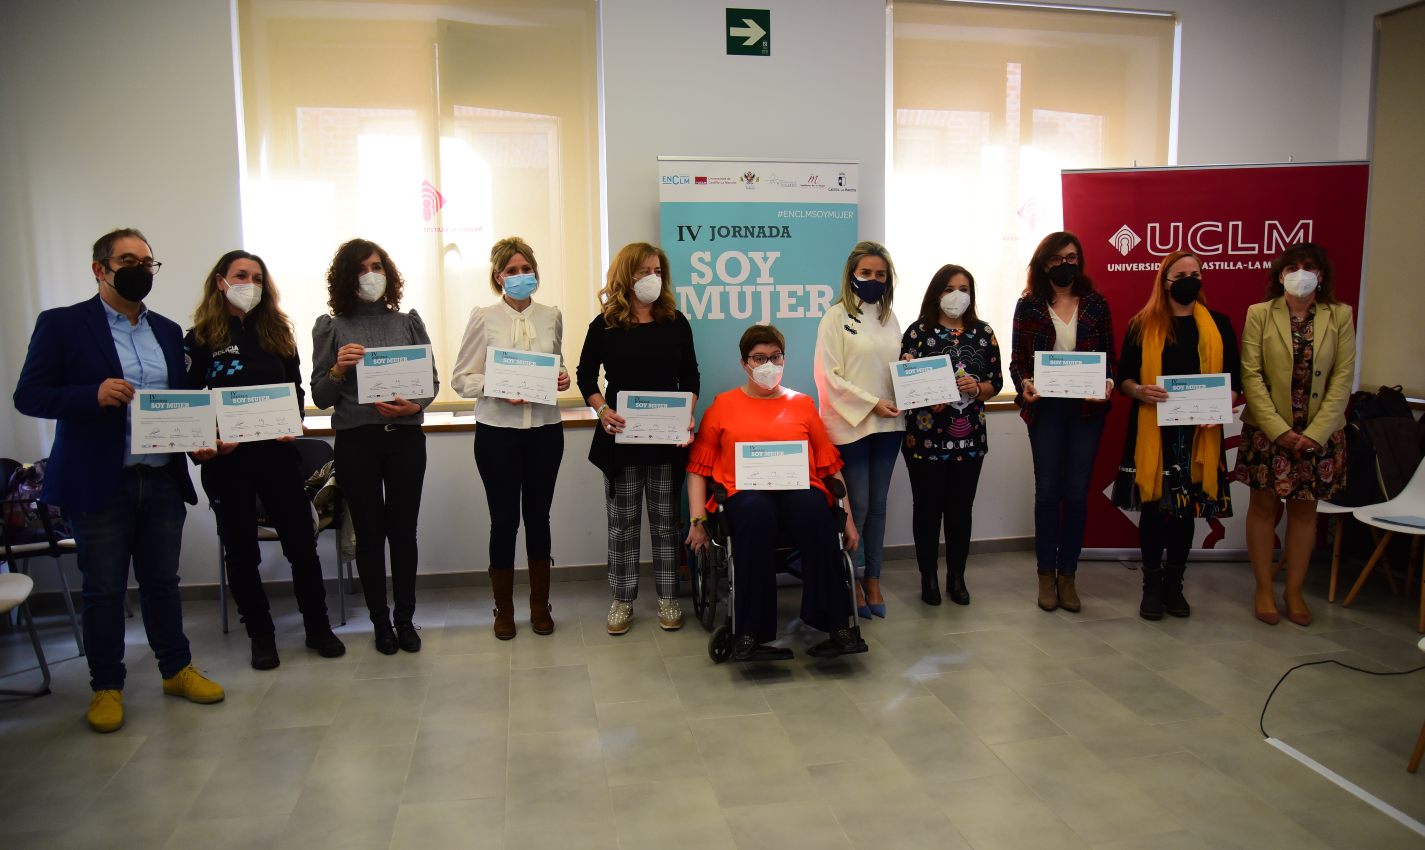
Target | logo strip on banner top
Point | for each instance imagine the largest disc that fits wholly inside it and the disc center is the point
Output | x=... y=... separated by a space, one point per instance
x=714 y=179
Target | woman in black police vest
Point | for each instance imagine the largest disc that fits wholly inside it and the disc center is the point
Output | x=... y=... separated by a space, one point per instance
x=240 y=337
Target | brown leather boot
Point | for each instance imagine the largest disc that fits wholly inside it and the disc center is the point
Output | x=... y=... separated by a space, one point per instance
x=1048 y=593
x=539 y=618
x=1068 y=594
x=502 y=585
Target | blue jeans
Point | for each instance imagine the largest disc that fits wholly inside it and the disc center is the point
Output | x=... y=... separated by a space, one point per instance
x=1064 y=443
x=144 y=524
x=869 y=464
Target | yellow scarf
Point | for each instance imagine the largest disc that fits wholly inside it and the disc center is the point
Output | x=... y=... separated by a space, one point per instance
x=1206 y=443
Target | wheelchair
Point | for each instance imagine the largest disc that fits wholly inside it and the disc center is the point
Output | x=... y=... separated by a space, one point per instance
x=714 y=590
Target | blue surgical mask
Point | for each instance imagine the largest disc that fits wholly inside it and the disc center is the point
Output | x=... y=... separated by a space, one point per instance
x=520 y=286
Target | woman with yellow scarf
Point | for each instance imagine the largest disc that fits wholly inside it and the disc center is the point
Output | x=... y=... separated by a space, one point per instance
x=1170 y=474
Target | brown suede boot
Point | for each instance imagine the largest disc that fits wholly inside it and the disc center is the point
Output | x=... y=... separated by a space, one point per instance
x=539 y=618
x=1068 y=594
x=502 y=585
x=1048 y=593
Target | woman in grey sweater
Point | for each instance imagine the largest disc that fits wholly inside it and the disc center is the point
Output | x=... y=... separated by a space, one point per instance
x=380 y=447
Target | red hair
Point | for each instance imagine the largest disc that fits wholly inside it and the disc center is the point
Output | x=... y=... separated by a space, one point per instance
x=1157 y=314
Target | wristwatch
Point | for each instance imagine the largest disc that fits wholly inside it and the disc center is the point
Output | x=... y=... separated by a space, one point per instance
x=335 y=375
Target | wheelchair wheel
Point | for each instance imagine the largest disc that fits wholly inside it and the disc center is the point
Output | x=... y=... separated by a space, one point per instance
x=706 y=579
x=720 y=644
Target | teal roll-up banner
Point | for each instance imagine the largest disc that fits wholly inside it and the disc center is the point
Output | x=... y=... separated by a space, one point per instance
x=751 y=242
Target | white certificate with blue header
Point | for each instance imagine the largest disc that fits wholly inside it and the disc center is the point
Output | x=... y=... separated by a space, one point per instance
x=1196 y=400
x=1071 y=374
x=165 y=421
x=654 y=417
x=923 y=382
x=407 y=371
x=259 y=412
x=777 y=465
x=530 y=375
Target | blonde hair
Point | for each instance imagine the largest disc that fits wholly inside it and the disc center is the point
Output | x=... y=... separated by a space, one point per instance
x=500 y=254
x=848 y=297
x=616 y=294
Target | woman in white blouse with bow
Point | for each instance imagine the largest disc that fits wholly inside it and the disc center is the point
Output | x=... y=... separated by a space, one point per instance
x=518 y=444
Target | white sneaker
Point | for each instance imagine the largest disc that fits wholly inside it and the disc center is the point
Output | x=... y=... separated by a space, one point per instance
x=670 y=614
x=620 y=615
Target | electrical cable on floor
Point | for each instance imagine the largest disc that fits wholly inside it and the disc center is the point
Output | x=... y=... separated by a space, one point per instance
x=1261 y=720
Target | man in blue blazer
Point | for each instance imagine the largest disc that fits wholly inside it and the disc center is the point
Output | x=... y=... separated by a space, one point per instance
x=85 y=363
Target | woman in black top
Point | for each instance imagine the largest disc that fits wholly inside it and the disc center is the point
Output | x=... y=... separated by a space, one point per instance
x=945 y=444
x=643 y=343
x=1172 y=474
x=240 y=337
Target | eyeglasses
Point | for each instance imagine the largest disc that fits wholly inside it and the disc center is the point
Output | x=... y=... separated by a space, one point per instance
x=764 y=359
x=1067 y=258
x=128 y=261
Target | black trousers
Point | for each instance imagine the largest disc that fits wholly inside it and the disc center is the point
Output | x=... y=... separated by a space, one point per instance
x=1159 y=532
x=519 y=467
x=756 y=519
x=943 y=493
x=382 y=470
x=270 y=471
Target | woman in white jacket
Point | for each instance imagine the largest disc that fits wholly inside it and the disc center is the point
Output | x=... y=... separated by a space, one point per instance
x=856 y=341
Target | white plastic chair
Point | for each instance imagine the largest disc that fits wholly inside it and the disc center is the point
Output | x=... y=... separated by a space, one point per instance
x=1410 y=503
x=15 y=589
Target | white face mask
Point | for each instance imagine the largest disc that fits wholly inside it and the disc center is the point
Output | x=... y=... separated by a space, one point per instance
x=954 y=303
x=370 y=286
x=648 y=288
x=1300 y=283
x=767 y=376
x=243 y=296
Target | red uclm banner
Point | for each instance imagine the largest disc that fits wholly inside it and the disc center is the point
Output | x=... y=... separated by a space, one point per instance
x=1238 y=219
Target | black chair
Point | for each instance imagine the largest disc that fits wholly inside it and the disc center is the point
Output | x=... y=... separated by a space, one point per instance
x=314 y=455
x=19 y=544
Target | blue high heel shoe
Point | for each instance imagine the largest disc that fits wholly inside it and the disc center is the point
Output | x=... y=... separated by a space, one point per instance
x=863 y=610
x=878 y=610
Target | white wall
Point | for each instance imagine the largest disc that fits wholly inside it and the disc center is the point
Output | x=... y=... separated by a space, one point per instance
x=1260 y=81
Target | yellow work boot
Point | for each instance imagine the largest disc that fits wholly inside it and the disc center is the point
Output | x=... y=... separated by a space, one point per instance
x=194 y=686
x=106 y=711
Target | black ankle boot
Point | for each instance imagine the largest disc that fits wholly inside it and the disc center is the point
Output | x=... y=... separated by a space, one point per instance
x=955 y=588
x=407 y=638
x=1151 y=608
x=264 y=652
x=930 y=588
x=386 y=639
x=1173 y=600
x=321 y=638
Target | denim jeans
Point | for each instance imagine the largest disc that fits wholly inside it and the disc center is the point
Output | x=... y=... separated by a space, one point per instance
x=144 y=524
x=869 y=464
x=1064 y=443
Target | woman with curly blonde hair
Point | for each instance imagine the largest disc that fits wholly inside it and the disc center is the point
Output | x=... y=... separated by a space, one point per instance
x=641 y=342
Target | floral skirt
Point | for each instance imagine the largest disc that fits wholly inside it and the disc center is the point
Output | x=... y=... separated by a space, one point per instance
x=1264 y=465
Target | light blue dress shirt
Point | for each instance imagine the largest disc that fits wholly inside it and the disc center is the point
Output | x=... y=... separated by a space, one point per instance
x=141 y=358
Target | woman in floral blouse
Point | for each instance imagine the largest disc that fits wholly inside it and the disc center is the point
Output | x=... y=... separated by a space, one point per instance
x=1298 y=362
x=945 y=444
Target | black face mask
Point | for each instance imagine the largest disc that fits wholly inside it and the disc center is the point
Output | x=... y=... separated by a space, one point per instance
x=1184 y=290
x=1064 y=274
x=133 y=283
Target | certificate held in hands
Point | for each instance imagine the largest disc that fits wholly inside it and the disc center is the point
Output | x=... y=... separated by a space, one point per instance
x=1196 y=400
x=1071 y=374
x=654 y=418
x=259 y=412
x=528 y=375
x=384 y=373
x=924 y=382
x=778 y=465
x=172 y=421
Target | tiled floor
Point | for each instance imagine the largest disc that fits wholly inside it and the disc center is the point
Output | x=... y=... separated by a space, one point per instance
x=993 y=726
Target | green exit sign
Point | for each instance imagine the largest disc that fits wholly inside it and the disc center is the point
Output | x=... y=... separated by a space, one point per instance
x=749 y=32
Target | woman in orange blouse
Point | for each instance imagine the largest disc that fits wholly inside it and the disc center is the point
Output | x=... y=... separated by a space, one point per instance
x=762 y=410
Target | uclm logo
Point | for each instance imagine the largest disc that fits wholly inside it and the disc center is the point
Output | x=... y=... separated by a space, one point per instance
x=431 y=200
x=1212 y=238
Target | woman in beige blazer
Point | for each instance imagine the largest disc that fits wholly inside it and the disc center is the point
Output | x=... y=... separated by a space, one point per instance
x=1298 y=365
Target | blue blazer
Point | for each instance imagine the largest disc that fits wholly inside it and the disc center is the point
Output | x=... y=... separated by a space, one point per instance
x=71 y=353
